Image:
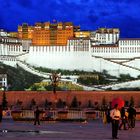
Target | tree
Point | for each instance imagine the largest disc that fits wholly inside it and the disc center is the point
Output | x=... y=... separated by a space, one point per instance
x=64 y=104
x=4 y=101
x=50 y=104
x=96 y=104
x=132 y=101
x=104 y=103
x=46 y=103
x=33 y=103
x=34 y=87
x=19 y=104
x=125 y=77
x=59 y=104
x=74 y=103
x=104 y=72
x=89 y=105
x=79 y=104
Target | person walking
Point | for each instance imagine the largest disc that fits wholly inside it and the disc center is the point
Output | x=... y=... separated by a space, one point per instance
x=0 y=113
x=108 y=114
x=37 y=115
x=126 y=120
x=123 y=119
x=131 y=116
x=115 y=116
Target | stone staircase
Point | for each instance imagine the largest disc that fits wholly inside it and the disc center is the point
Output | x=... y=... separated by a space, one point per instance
x=30 y=69
x=7 y=58
x=22 y=54
x=129 y=84
x=119 y=63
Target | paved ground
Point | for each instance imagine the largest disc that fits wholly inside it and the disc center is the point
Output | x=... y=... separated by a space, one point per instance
x=94 y=130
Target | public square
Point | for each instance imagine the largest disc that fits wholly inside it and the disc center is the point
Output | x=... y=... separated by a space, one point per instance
x=93 y=130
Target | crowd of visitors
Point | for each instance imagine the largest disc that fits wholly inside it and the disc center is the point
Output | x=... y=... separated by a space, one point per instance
x=0 y=113
x=123 y=118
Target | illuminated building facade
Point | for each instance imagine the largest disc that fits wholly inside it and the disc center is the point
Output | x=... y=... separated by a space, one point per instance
x=13 y=34
x=62 y=46
x=25 y=31
x=48 y=34
x=82 y=34
x=105 y=36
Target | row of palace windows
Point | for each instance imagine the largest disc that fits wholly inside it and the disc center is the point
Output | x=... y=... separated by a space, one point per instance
x=106 y=36
x=60 y=48
x=117 y=50
x=14 y=48
x=84 y=48
x=106 y=42
x=9 y=40
x=77 y=42
x=48 y=35
x=129 y=42
x=9 y=59
x=58 y=32
x=50 y=48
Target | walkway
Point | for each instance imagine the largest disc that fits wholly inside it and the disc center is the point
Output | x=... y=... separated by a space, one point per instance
x=95 y=130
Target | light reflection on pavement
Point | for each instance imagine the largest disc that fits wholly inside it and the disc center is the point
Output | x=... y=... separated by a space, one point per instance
x=94 y=130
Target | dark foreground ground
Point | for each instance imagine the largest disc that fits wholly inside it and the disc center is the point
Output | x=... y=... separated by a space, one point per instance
x=94 y=130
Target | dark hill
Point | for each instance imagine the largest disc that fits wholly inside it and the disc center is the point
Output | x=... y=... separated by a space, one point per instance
x=19 y=79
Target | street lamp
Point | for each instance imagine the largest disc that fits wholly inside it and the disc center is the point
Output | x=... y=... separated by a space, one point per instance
x=4 y=101
x=55 y=78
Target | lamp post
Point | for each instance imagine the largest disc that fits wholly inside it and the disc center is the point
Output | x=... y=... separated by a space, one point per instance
x=4 y=101
x=55 y=78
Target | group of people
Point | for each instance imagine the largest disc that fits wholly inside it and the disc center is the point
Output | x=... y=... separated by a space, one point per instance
x=36 y=115
x=119 y=118
x=0 y=113
x=123 y=116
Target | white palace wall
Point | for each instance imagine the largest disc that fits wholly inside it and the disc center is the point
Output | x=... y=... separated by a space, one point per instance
x=116 y=52
x=60 y=57
x=113 y=68
x=77 y=55
x=134 y=63
x=70 y=60
x=10 y=49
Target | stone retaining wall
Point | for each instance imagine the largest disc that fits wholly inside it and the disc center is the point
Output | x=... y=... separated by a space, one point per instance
x=67 y=96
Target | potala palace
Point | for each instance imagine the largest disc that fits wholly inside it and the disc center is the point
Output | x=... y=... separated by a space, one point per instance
x=99 y=50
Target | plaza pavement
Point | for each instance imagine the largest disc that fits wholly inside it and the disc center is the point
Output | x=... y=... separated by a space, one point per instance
x=93 y=130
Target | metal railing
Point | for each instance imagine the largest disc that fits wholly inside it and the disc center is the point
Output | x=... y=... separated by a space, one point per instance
x=60 y=114
x=55 y=114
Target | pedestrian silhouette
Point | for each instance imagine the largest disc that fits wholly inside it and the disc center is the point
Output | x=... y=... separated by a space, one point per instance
x=131 y=116
x=108 y=115
x=115 y=115
x=37 y=116
x=0 y=113
x=123 y=119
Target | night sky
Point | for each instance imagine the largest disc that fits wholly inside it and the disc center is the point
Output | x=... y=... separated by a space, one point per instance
x=89 y=14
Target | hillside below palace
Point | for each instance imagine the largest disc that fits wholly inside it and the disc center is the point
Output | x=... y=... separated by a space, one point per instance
x=64 y=46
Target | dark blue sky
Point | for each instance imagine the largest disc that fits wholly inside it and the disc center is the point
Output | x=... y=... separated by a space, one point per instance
x=89 y=14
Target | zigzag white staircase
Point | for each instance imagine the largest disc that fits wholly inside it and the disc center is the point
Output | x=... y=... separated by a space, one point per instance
x=30 y=69
x=129 y=84
x=124 y=68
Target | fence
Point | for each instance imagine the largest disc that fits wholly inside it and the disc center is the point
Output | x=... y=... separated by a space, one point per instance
x=54 y=114
x=58 y=114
